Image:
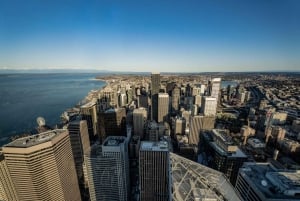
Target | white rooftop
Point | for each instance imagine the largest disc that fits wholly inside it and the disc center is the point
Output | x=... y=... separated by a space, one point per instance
x=154 y=146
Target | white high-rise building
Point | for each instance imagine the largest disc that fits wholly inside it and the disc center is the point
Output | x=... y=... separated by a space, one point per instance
x=163 y=106
x=139 y=120
x=198 y=100
x=108 y=170
x=215 y=88
x=209 y=106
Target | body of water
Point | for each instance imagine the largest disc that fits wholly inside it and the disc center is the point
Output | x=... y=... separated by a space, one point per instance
x=24 y=97
x=224 y=84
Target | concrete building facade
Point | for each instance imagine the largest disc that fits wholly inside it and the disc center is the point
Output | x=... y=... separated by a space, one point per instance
x=42 y=167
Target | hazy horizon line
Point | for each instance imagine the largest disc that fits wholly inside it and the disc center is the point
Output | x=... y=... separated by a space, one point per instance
x=132 y=71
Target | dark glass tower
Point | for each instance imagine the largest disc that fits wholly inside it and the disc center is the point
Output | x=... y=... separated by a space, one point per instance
x=155 y=85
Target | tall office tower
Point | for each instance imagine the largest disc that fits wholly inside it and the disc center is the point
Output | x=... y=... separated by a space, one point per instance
x=247 y=95
x=155 y=171
x=195 y=110
x=215 y=87
x=163 y=107
x=175 y=99
x=108 y=98
x=188 y=90
x=130 y=95
x=88 y=112
x=42 y=167
x=80 y=144
x=122 y=99
x=108 y=170
x=152 y=131
x=242 y=97
x=7 y=189
x=224 y=155
x=263 y=182
x=188 y=102
x=143 y=101
x=202 y=89
x=155 y=86
x=179 y=127
x=198 y=100
x=198 y=123
x=112 y=123
x=209 y=106
x=139 y=120
x=196 y=91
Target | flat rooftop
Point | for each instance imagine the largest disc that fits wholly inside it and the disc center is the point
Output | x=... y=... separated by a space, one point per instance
x=89 y=104
x=209 y=98
x=114 y=140
x=273 y=183
x=163 y=95
x=238 y=153
x=35 y=139
x=154 y=146
x=222 y=134
x=216 y=79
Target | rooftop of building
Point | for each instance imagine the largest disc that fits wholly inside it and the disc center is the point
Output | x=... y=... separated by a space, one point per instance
x=223 y=135
x=154 y=146
x=33 y=140
x=89 y=104
x=140 y=110
x=255 y=141
x=216 y=79
x=238 y=153
x=193 y=181
x=273 y=183
x=152 y=125
x=209 y=98
x=163 y=94
x=114 y=140
x=114 y=110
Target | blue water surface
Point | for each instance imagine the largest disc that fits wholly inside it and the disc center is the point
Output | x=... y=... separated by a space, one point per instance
x=24 y=97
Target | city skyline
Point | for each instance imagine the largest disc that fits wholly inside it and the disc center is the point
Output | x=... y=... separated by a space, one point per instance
x=199 y=36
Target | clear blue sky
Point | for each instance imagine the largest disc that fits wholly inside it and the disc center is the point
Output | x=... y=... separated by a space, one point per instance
x=211 y=35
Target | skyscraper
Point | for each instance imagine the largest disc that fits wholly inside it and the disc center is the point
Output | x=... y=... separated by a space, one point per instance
x=112 y=123
x=155 y=86
x=198 y=123
x=209 y=106
x=163 y=107
x=88 y=112
x=155 y=172
x=139 y=120
x=108 y=170
x=80 y=144
x=7 y=189
x=215 y=85
x=42 y=167
x=175 y=99
x=222 y=154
